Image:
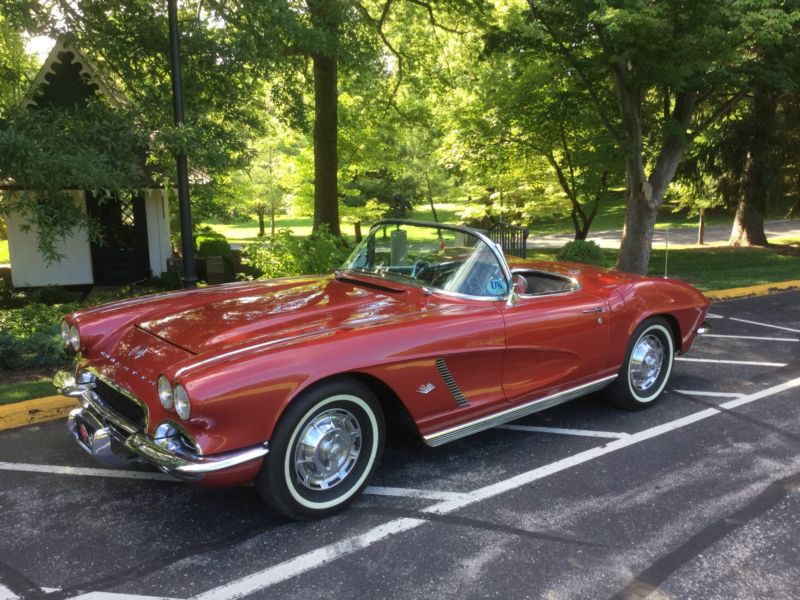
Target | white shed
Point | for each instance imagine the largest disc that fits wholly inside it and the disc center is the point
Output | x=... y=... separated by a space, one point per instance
x=135 y=225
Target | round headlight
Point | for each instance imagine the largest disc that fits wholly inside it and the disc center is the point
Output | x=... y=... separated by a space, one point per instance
x=165 y=392
x=181 y=397
x=74 y=338
x=65 y=333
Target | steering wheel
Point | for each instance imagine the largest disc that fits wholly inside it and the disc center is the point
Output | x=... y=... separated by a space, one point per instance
x=418 y=268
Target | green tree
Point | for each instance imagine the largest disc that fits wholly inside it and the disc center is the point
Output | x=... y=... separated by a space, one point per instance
x=673 y=67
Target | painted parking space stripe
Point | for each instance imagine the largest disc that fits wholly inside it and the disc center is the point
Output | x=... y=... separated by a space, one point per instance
x=561 y=431
x=121 y=474
x=750 y=337
x=720 y=361
x=411 y=493
x=84 y=471
x=327 y=554
x=7 y=594
x=713 y=316
x=709 y=394
x=782 y=328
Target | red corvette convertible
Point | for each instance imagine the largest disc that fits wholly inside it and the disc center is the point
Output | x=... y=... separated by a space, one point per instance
x=290 y=383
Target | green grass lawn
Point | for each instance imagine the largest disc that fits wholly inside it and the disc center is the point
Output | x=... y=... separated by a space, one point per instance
x=610 y=216
x=26 y=390
x=4 y=251
x=715 y=268
x=247 y=231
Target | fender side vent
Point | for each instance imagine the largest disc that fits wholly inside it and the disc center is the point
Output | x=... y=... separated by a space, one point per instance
x=441 y=366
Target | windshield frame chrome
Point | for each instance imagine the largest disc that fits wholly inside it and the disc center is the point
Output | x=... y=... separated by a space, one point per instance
x=495 y=248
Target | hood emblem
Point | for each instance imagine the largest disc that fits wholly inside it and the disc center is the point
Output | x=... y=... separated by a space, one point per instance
x=426 y=388
x=137 y=352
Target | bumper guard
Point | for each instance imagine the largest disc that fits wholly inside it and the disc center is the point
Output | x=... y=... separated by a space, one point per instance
x=111 y=440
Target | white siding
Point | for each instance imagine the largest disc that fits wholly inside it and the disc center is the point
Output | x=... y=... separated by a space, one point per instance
x=29 y=267
x=157 y=206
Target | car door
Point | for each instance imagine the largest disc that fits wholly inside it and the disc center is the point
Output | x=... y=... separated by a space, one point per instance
x=554 y=341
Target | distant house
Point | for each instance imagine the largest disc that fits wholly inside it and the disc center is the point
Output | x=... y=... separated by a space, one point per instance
x=135 y=226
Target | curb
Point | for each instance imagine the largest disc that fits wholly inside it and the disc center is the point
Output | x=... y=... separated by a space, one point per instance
x=753 y=290
x=30 y=412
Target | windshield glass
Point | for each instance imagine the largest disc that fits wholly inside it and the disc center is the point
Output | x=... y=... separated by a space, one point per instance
x=443 y=259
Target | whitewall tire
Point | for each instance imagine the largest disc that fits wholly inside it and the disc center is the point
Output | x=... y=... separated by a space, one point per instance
x=647 y=366
x=324 y=451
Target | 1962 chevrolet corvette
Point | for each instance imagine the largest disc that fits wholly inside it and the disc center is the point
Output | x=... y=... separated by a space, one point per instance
x=290 y=383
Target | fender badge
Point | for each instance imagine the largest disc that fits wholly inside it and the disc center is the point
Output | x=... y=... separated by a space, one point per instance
x=137 y=352
x=426 y=388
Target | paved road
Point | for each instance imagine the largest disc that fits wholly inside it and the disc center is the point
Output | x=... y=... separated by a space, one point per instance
x=716 y=235
x=697 y=496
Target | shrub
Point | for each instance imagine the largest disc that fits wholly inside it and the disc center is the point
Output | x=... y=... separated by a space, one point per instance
x=285 y=254
x=6 y=295
x=582 y=251
x=30 y=337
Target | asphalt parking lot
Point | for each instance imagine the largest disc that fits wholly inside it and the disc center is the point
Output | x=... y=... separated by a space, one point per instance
x=695 y=497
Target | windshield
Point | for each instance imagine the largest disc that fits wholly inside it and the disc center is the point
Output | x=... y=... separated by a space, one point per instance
x=436 y=257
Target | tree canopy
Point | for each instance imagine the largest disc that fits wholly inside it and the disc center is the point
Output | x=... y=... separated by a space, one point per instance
x=524 y=110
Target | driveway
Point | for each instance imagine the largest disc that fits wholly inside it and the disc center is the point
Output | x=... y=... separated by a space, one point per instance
x=716 y=235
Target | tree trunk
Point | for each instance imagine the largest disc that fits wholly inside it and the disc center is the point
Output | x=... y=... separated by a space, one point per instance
x=748 y=226
x=260 y=212
x=326 y=164
x=644 y=196
x=701 y=228
x=430 y=198
x=272 y=220
x=359 y=235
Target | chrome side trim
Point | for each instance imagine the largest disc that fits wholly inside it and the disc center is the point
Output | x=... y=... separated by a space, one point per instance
x=447 y=376
x=510 y=414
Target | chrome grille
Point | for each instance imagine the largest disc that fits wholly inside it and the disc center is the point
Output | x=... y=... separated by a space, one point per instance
x=121 y=404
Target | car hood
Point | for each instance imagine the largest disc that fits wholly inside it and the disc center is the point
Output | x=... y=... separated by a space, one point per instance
x=254 y=314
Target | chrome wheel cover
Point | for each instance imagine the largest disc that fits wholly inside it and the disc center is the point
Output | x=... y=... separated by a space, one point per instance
x=647 y=360
x=327 y=449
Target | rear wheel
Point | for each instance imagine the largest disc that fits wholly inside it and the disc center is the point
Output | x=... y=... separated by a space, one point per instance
x=647 y=366
x=324 y=451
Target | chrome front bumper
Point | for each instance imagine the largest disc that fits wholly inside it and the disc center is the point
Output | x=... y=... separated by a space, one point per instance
x=111 y=440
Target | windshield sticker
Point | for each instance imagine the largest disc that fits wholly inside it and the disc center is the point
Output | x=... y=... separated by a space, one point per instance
x=496 y=287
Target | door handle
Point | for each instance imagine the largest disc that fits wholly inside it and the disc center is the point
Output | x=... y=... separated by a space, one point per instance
x=596 y=309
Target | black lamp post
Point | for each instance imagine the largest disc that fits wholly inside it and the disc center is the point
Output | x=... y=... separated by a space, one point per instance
x=187 y=243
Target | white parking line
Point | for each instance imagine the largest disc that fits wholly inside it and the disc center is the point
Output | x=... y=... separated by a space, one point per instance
x=713 y=316
x=7 y=594
x=766 y=325
x=327 y=554
x=731 y=362
x=83 y=471
x=559 y=430
x=122 y=474
x=750 y=337
x=411 y=493
x=710 y=394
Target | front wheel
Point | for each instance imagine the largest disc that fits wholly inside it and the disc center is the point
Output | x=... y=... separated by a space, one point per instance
x=324 y=450
x=647 y=366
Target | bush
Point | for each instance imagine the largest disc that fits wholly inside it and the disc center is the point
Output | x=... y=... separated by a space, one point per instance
x=30 y=336
x=6 y=295
x=285 y=254
x=581 y=251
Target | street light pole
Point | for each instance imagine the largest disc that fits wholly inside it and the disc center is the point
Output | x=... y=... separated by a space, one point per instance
x=187 y=243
